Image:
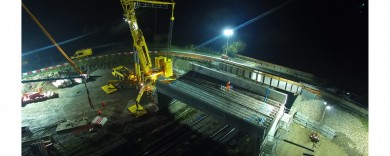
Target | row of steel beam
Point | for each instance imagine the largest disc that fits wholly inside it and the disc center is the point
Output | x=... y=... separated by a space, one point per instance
x=242 y=106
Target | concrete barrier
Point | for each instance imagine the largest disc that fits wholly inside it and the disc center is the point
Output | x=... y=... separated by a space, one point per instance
x=307 y=77
x=81 y=60
x=238 y=81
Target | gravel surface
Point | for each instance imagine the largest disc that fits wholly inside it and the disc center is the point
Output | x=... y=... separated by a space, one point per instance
x=310 y=108
x=352 y=135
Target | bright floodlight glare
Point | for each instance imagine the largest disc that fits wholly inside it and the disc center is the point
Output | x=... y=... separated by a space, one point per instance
x=325 y=103
x=228 y=32
x=328 y=107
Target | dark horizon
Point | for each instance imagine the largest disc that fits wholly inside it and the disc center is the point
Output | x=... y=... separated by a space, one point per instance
x=326 y=38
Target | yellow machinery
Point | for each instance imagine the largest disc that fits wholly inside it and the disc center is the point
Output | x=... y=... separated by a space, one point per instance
x=122 y=73
x=166 y=66
x=82 y=53
x=145 y=79
x=125 y=76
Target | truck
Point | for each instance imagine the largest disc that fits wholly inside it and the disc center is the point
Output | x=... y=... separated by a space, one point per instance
x=81 y=53
x=224 y=56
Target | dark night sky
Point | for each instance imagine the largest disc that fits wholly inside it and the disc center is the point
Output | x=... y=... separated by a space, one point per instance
x=328 y=38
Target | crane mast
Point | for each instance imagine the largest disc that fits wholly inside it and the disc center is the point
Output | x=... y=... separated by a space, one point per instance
x=139 y=42
x=145 y=80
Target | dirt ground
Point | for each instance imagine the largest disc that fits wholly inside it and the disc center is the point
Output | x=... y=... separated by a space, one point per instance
x=73 y=104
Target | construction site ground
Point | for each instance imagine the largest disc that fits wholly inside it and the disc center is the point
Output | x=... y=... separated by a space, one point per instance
x=125 y=133
x=300 y=135
x=73 y=104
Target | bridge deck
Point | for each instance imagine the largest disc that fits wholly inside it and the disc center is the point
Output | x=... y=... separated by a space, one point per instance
x=205 y=90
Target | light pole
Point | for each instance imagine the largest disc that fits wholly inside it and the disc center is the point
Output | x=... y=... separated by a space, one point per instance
x=326 y=108
x=227 y=33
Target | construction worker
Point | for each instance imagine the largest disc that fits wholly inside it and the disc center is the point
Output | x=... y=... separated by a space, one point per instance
x=228 y=86
x=314 y=137
x=39 y=90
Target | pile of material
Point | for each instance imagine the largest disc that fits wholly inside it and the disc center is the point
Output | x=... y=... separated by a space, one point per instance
x=99 y=121
x=67 y=82
x=43 y=146
x=70 y=125
x=62 y=83
x=81 y=80
x=31 y=97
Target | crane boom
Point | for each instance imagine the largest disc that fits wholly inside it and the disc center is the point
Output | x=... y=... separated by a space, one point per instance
x=139 y=42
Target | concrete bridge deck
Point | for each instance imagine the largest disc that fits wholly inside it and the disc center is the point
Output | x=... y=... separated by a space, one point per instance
x=253 y=114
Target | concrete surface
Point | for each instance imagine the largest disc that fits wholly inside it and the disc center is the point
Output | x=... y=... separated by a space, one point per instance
x=300 y=135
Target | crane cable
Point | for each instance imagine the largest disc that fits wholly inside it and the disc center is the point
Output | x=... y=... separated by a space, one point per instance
x=59 y=48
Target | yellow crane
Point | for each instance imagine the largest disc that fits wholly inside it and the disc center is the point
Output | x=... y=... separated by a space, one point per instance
x=145 y=79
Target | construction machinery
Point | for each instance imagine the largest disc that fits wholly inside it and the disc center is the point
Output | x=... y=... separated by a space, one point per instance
x=224 y=56
x=82 y=53
x=144 y=76
x=121 y=72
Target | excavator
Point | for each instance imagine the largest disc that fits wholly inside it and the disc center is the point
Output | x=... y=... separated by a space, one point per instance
x=145 y=75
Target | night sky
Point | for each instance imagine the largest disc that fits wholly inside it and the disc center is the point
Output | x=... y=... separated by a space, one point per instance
x=328 y=38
